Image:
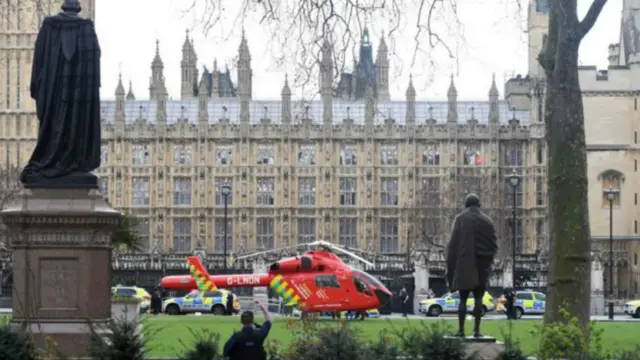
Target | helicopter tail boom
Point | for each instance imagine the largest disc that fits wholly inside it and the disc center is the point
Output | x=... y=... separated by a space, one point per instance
x=186 y=282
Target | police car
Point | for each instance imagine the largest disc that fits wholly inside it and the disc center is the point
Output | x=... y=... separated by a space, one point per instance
x=450 y=302
x=528 y=302
x=214 y=302
x=633 y=308
x=120 y=291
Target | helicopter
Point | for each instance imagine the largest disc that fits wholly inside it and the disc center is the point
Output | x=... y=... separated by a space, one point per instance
x=315 y=282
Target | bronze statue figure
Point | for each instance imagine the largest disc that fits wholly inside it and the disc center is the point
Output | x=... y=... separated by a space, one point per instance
x=470 y=254
x=65 y=83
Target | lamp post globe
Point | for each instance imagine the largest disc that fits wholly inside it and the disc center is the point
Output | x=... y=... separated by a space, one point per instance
x=226 y=190
x=514 y=179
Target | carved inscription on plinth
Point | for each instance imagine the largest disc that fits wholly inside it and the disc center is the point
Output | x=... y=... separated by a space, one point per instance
x=59 y=283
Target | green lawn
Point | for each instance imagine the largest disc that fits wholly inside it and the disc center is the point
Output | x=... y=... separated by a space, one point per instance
x=168 y=335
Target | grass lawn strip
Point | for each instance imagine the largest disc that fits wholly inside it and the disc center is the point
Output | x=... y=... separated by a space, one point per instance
x=169 y=334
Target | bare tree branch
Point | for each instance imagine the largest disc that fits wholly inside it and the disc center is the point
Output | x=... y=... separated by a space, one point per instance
x=592 y=15
x=440 y=199
x=298 y=28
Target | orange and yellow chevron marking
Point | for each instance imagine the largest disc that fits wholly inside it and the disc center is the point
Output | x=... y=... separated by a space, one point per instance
x=200 y=274
x=282 y=288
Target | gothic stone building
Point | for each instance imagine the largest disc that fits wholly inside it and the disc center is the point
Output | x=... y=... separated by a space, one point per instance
x=353 y=167
x=612 y=123
x=346 y=168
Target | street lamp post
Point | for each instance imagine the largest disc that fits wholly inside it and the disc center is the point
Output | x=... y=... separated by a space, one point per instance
x=513 y=181
x=611 y=196
x=226 y=191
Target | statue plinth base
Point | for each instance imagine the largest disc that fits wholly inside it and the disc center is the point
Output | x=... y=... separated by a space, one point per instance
x=484 y=348
x=61 y=242
x=70 y=181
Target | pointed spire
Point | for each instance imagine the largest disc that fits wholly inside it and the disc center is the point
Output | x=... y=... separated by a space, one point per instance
x=157 y=61
x=130 y=95
x=493 y=92
x=202 y=88
x=365 y=36
x=382 y=48
x=244 y=45
x=452 y=88
x=120 y=87
x=286 y=91
x=187 y=43
x=411 y=91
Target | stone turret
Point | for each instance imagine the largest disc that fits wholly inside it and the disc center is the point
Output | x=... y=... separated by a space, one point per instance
x=494 y=113
x=411 y=102
x=130 y=95
x=157 y=88
x=326 y=84
x=189 y=68
x=285 y=116
x=120 y=93
x=244 y=69
x=382 y=71
x=452 y=96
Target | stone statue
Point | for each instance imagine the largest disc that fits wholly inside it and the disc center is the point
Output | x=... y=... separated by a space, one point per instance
x=470 y=254
x=65 y=83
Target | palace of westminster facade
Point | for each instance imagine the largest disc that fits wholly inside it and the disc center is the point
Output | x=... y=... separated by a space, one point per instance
x=353 y=167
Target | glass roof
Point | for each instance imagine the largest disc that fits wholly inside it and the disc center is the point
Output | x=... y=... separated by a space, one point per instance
x=229 y=108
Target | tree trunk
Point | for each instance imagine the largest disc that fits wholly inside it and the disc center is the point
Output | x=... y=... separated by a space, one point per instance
x=569 y=277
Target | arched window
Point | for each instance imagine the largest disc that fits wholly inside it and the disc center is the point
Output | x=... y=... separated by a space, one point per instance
x=611 y=182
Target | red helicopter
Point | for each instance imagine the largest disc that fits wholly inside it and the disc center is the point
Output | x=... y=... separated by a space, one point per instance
x=317 y=281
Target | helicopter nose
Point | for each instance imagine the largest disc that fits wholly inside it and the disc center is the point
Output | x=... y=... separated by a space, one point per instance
x=383 y=296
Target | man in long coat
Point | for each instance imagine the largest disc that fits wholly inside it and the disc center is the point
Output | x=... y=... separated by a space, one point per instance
x=470 y=254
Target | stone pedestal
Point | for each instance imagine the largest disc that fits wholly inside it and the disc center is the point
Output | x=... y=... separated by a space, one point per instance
x=126 y=310
x=598 y=306
x=421 y=282
x=61 y=242
x=485 y=348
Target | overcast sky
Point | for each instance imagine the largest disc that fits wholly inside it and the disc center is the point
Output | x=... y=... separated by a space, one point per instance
x=493 y=42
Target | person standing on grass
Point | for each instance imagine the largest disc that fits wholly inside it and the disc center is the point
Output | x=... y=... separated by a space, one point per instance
x=248 y=343
x=404 y=297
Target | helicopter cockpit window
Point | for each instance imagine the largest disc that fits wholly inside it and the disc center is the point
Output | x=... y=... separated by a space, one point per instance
x=372 y=280
x=327 y=281
x=361 y=285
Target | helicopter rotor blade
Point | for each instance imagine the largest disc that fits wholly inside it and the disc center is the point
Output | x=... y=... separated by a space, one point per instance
x=331 y=246
x=349 y=253
x=264 y=252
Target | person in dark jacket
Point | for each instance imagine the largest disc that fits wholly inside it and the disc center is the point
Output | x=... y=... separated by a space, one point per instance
x=470 y=254
x=229 y=305
x=510 y=309
x=156 y=302
x=248 y=343
x=404 y=298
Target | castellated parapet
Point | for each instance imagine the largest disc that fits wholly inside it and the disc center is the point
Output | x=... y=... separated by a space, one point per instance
x=615 y=79
x=517 y=92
